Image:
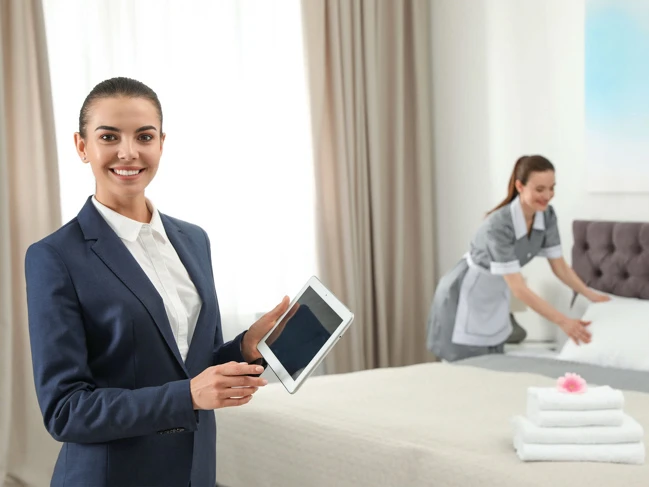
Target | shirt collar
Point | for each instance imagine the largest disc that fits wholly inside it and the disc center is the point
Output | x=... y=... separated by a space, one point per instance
x=126 y=228
x=520 y=227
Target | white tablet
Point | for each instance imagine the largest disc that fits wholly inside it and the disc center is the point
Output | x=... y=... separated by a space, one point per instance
x=303 y=336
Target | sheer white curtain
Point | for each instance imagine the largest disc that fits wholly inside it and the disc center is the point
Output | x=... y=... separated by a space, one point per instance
x=237 y=160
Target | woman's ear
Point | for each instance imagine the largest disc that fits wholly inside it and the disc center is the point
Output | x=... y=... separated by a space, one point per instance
x=519 y=186
x=80 y=144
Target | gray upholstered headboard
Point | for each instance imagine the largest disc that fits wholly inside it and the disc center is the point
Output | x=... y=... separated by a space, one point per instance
x=612 y=256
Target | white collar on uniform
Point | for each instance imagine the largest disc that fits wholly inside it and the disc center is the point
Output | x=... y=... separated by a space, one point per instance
x=520 y=227
x=128 y=229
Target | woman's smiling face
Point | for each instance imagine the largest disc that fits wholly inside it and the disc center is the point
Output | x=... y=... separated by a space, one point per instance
x=123 y=145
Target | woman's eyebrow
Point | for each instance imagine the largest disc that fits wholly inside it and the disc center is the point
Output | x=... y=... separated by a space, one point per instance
x=108 y=127
x=115 y=129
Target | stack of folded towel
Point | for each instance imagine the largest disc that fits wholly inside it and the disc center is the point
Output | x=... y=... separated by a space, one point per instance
x=590 y=426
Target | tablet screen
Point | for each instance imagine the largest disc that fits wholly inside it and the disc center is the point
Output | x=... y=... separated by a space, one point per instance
x=302 y=332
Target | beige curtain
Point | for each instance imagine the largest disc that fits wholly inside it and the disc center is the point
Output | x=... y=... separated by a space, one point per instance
x=29 y=210
x=369 y=65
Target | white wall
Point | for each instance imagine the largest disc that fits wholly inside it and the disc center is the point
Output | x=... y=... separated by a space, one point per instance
x=508 y=80
x=460 y=124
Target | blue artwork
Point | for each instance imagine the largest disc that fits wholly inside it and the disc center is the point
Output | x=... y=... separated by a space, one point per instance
x=617 y=95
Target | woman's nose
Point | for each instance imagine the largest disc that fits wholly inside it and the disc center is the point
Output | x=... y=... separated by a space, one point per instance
x=127 y=151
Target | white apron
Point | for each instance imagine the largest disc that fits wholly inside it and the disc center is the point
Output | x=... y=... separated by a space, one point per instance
x=482 y=317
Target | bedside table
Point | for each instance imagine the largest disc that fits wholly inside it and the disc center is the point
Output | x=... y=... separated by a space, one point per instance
x=533 y=349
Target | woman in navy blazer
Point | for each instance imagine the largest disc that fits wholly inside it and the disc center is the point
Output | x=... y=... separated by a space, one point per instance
x=125 y=331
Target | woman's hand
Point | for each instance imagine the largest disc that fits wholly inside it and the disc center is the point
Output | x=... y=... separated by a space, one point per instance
x=576 y=330
x=225 y=385
x=259 y=329
x=594 y=297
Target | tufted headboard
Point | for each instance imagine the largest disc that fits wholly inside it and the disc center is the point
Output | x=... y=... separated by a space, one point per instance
x=612 y=257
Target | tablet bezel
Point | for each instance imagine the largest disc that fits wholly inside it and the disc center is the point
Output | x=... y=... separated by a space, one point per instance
x=292 y=385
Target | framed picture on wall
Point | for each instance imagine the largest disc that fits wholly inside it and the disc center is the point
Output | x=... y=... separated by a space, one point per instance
x=617 y=96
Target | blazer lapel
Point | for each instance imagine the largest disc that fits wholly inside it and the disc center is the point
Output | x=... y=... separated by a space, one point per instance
x=112 y=251
x=189 y=254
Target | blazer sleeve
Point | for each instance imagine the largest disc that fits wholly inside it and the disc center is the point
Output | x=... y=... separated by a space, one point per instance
x=223 y=352
x=74 y=408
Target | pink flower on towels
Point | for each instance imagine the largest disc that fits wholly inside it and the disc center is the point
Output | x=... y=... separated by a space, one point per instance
x=572 y=384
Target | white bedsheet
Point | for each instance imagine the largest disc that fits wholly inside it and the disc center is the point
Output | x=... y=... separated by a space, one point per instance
x=436 y=424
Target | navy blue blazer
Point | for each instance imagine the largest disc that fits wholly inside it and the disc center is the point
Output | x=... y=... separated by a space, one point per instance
x=109 y=377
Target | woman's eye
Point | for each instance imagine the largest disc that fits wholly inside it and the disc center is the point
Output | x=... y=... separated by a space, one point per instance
x=146 y=137
x=108 y=137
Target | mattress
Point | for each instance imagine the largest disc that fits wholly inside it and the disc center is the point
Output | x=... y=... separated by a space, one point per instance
x=433 y=424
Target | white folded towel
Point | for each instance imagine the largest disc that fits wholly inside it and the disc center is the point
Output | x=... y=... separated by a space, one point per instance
x=602 y=397
x=620 y=453
x=629 y=432
x=603 y=417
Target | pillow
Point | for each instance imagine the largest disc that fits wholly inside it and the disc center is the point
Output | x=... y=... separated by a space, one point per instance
x=620 y=335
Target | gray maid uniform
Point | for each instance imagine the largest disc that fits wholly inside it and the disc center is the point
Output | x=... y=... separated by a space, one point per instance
x=470 y=312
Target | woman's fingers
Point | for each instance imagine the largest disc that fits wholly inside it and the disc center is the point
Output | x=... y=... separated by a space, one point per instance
x=243 y=381
x=236 y=402
x=237 y=392
x=238 y=368
x=580 y=333
x=585 y=334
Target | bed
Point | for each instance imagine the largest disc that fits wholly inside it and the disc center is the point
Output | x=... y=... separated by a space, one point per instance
x=435 y=424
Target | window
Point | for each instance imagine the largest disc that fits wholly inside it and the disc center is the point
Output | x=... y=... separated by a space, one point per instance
x=237 y=160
